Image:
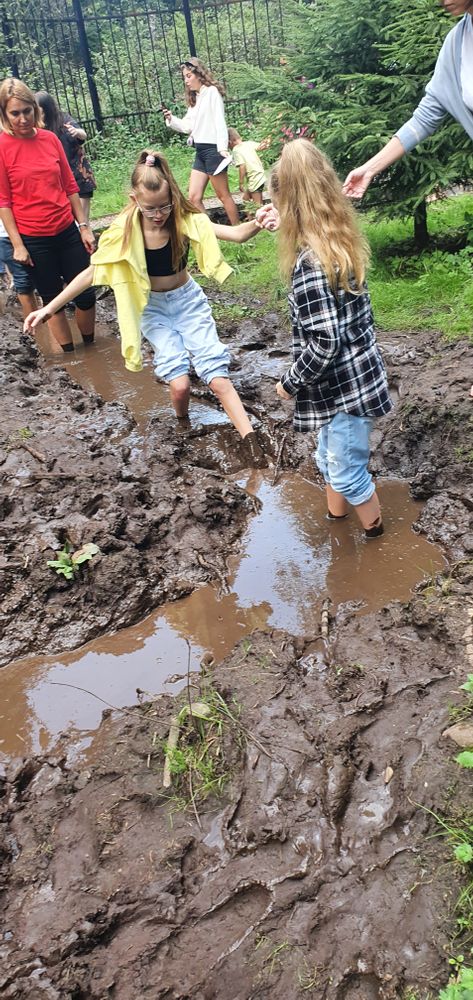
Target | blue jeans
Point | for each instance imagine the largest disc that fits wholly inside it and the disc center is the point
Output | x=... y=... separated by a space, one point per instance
x=343 y=451
x=180 y=327
x=21 y=275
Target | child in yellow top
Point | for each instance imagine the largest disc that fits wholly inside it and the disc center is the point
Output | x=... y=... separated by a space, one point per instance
x=143 y=257
x=245 y=157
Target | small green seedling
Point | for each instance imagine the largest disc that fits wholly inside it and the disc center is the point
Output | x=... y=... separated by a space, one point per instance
x=468 y=685
x=465 y=758
x=67 y=562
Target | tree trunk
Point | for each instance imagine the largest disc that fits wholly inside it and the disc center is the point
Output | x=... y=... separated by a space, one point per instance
x=421 y=233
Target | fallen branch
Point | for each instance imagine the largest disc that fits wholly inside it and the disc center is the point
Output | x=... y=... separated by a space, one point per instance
x=171 y=745
x=38 y=455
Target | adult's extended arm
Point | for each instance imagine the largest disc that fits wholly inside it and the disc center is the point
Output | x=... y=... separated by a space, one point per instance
x=424 y=122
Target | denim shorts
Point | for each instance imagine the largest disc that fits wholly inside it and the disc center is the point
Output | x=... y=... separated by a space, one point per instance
x=343 y=452
x=21 y=275
x=181 y=329
x=207 y=158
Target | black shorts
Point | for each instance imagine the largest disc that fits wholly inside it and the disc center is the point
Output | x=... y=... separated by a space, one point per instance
x=261 y=188
x=57 y=260
x=207 y=158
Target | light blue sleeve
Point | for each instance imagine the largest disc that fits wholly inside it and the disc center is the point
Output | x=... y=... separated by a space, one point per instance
x=424 y=122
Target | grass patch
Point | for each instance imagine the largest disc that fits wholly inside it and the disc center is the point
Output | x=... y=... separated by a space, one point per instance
x=197 y=763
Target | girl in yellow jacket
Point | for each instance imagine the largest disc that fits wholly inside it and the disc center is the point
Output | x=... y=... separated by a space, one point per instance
x=143 y=257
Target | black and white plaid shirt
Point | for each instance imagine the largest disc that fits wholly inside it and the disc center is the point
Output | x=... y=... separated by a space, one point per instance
x=337 y=363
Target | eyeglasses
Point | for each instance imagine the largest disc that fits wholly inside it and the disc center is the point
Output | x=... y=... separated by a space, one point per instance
x=151 y=212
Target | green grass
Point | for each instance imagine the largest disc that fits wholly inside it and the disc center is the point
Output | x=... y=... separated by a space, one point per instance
x=432 y=290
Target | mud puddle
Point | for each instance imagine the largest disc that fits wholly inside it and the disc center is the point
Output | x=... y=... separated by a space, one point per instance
x=291 y=558
x=101 y=370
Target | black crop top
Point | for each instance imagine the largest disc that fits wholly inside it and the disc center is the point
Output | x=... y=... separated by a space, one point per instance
x=159 y=262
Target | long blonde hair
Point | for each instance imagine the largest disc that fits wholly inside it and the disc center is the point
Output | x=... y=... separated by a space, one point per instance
x=152 y=178
x=204 y=75
x=11 y=87
x=316 y=215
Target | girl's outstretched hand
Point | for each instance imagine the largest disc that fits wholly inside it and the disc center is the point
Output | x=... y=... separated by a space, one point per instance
x=282 y=392
x=268 y=218
x=35 y=319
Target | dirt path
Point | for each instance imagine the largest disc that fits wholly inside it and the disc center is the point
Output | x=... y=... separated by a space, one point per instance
x=314 y=872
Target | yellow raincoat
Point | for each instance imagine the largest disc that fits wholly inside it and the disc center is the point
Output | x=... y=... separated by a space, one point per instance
x=125 y=272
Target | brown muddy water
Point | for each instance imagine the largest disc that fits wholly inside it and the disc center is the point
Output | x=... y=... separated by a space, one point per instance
x=290 y=559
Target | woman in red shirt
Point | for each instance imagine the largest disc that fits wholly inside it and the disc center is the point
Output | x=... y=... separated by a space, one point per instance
x=41 y=209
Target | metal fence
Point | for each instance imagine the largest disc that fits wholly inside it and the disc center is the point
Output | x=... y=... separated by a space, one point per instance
x=109 y=60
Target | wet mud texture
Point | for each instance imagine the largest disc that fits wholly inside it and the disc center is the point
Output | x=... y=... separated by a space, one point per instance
x=160 y=509
x=318 y=872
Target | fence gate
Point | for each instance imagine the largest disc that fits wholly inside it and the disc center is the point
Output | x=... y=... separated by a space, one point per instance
x=108 y=60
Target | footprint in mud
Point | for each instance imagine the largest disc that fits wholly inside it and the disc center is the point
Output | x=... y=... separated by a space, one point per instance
x=192 y=953
x=361 y=987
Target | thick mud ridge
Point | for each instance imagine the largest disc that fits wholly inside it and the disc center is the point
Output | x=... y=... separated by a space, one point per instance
x=317 y=871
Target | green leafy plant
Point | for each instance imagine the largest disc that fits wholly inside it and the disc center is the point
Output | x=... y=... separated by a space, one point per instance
x=195 y=758
x=460 y=987
x=68 y=562
x=465 y=758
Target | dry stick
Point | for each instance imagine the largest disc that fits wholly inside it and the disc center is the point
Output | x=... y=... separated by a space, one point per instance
x=36 y=454
x=191 y=792
x=278 y=458
x=170 y=746
x=188 y=684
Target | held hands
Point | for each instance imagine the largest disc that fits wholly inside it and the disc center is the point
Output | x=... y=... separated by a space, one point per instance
x=35 y=319
x=357 y=182
x=167 y=114
x=281 y=392
x=268 y=218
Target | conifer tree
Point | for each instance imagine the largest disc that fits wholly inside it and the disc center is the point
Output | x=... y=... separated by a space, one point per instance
x=364 y=68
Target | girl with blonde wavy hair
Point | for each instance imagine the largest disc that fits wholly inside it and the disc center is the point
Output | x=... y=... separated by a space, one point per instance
x=143 y=257
x=205 y=124
x=337 y=378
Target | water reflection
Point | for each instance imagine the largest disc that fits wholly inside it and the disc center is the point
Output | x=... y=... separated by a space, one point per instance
x=291 y=558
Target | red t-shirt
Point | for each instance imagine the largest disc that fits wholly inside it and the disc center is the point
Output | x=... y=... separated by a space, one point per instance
x=35 y=181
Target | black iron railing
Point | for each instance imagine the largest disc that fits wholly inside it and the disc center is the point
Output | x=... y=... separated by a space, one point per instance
x=109 y=60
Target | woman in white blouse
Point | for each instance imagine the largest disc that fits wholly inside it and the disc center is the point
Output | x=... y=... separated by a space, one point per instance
x=205 y=124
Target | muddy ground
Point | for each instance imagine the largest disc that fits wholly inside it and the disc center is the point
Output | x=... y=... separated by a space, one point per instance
x=316 y=871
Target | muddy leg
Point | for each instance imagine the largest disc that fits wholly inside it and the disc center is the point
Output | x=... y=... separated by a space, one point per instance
x=61 y=330
x=369 y=514
x=227 y=395
x=85 y=319
x=336 y=503
x=27 y=302
x=180 y=389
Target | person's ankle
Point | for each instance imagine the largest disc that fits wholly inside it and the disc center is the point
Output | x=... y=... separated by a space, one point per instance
x=375 y=530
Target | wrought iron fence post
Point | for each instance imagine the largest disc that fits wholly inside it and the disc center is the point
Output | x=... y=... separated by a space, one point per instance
x=189 y=28
x=86 y=58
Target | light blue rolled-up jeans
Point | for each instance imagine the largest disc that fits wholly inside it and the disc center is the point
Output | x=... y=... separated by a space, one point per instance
x=181 y=329
x=343 y=451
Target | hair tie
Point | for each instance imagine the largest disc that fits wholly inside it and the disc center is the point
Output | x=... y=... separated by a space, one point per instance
x=150 y=160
